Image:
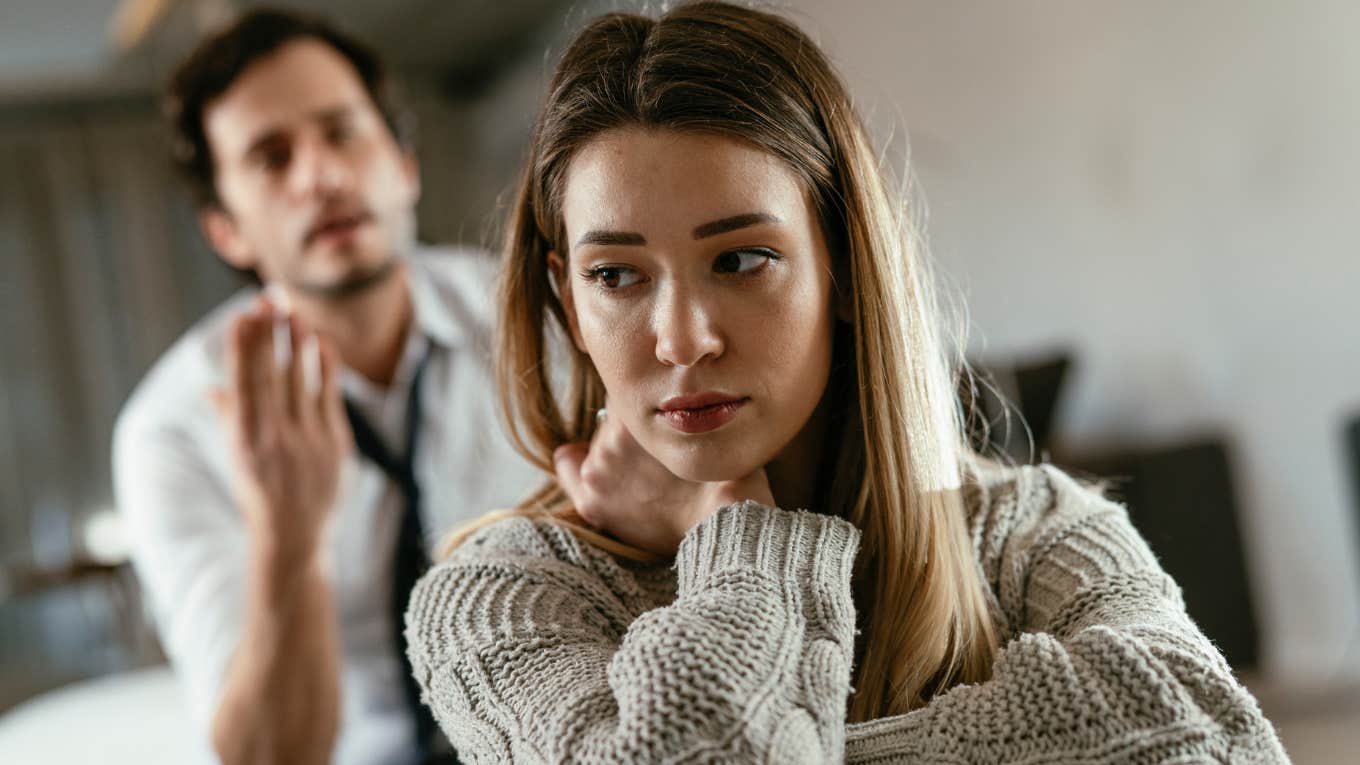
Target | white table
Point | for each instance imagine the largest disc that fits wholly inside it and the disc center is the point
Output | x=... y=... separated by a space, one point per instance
x=133 y=717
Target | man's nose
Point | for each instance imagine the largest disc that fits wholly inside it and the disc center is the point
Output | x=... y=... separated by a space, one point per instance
x=686 y=330
x=320 y=169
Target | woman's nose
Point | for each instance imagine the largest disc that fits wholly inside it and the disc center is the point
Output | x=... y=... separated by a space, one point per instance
x=686 y=331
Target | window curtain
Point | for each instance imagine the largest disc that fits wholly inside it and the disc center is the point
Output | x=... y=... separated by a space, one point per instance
x=103 y=268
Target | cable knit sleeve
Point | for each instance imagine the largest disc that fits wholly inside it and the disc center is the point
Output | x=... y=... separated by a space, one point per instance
x=1102 y=663
x=531 y=646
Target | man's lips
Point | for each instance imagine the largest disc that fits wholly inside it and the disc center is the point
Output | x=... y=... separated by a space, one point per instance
x=336 y=225
x=700 y=412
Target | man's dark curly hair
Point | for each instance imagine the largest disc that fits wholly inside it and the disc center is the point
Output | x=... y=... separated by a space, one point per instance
x=219 y=60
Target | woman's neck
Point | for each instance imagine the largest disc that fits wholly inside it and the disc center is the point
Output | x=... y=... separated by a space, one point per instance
x=368 y=328
x=794 y=473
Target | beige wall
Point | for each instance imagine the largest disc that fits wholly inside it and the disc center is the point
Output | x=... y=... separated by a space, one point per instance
x=1172 y=189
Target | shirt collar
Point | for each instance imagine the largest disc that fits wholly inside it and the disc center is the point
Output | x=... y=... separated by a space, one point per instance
x=431 y=316
x=363 y=390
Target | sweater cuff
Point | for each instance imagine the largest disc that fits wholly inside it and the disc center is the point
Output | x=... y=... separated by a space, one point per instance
x=796 y=547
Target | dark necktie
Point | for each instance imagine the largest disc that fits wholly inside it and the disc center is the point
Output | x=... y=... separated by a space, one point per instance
x=410 y=560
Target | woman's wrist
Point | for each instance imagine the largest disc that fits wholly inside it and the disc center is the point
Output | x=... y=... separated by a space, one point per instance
x=713 y=497
x=786 y=546
x=755 y=487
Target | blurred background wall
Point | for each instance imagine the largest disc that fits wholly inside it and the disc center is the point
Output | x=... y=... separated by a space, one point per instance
x=1163 y=193
x=1171 y=190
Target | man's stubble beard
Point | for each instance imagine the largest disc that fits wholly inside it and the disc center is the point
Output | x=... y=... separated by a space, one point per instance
x=351 y=286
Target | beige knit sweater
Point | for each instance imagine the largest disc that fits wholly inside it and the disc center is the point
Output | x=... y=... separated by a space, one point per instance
x=532 y=646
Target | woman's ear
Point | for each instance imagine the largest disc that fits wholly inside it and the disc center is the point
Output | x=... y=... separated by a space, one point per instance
x=557 y=268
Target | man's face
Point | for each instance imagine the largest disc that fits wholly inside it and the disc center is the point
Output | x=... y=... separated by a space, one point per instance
x=315 y=192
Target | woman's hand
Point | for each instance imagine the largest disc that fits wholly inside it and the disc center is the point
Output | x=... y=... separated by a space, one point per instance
x=622 y=490
x=287 y=433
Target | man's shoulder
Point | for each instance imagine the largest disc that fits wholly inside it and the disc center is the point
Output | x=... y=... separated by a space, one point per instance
x=455 y=263
x=174 y=391
x=458 y=282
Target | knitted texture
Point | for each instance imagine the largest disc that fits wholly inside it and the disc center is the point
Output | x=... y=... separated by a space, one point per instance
x=533 y=646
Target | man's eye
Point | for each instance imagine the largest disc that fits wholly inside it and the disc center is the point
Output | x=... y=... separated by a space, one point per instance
x=743 y=261
x=612 y=277
x=341 y=133
x=273 y=159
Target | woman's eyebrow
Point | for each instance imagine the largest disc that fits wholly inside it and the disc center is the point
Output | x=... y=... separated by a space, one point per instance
x=611 y=237
x=712 y=228
x=733 y=223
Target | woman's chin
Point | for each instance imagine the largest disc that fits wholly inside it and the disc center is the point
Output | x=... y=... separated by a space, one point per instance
x=727 y=455
x=708 y=468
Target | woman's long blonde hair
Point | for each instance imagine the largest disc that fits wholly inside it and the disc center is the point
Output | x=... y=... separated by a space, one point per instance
x=896 y=467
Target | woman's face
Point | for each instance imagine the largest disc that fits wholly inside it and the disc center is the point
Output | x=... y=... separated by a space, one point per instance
x=699 y=283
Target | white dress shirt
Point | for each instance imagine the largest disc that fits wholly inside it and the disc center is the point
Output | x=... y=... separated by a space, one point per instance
x=173 y=485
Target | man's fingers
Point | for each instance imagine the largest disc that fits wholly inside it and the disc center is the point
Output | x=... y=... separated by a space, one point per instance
x=264 y=391
x=330 y=404
x=296 y=386
x=221 y=402
x=239 y=375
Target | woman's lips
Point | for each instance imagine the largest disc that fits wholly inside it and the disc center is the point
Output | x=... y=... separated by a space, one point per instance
x=700 y=413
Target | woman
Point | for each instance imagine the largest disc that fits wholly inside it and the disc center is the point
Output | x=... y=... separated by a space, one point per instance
x=704 y=218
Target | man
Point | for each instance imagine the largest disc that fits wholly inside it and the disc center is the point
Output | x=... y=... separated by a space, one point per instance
x=278 y=556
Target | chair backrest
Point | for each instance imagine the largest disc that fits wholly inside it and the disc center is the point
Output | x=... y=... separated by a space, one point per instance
x=1018 y=402
x=1181 y=497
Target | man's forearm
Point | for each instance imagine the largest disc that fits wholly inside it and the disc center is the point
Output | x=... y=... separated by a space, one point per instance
x=280 y=698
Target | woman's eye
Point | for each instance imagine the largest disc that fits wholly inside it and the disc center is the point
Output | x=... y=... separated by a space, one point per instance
x=613 y=277
x=742 y=261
